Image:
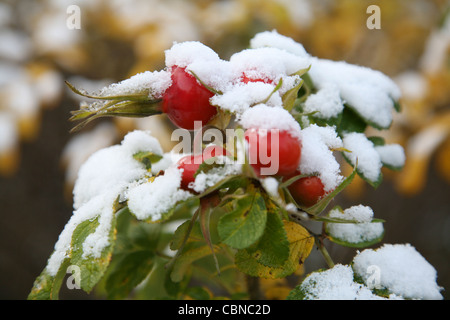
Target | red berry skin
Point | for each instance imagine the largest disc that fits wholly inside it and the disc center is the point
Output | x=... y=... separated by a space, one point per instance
x=191 y=163
x=285 y=160
x=187 y=101
x=214 y=151
x=246 y=79
x=306 y=191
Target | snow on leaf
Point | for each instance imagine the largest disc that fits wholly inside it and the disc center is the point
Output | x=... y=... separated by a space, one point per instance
x=402 y=271
x=362 y=232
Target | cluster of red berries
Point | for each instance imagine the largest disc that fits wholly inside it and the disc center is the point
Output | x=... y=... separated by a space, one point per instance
x=187 y=101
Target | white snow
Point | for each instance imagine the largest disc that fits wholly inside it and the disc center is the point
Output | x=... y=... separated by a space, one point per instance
x=204 y=180
x=326 y=101
x=335 y=284
x=155 y=83
x=241 y=97
x=267 y=118
x=362 y=231
x=392 y=155
x=267 y=63
x=275 y=40
x=363 y=152
x=358 y=213
x=148 y=201
x=217 y=74
x=113 y=168
x=403 y=271
x=95 y=207
x=368 y=91
x=317 y=158
x=271 y=185
x=184 y=53
x=101 y=180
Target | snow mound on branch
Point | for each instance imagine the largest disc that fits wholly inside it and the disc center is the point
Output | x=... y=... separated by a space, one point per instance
x=149 y=201
x=275 y=40
x=102 y=179
x=268 y=118
x=392 y=155
x=335 y=284
x=362 y=151
x=317 y=157
x=402 y=270
x=327 y=102
x=155 y=83
x=362 y=231
x=369 y=92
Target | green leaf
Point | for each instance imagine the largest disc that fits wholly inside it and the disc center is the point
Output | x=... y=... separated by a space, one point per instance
x=335 y=121
x=290 y=96
x=182 y=232
x=198 y=293
x=272 y=250
x=397 y=106
x=91 y=268
x=185 y=260
x=129 y=272
x=46 y=287
x=277 y=87
x=144 y=96
x=134 y=254
x=147 y=158
x=206 y=207
x=351 y=122
x=300 y=246
x=360 y=244
x=377 y=141
x=297 y=294
x=244 y=225
x=175 y=289
x=367 y=121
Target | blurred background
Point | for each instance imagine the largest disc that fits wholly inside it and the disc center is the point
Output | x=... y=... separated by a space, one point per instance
x=41 y=45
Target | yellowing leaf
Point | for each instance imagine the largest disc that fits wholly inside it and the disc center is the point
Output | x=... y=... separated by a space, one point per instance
x=300 y=245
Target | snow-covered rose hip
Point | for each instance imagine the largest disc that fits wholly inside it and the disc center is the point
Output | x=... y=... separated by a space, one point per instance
x=247 y=77
x=273 y=152
x=187 y=100
x=306 y=191
x=189 y=164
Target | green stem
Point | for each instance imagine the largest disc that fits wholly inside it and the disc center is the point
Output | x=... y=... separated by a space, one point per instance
x=324 y=252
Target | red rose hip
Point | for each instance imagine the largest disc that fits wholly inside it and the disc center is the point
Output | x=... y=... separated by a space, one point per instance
x=306 y=191
x=273 y=152
x=187 y=101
